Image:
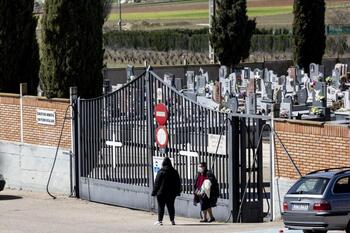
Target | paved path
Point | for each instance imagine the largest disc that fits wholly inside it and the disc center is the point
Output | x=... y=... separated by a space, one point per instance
x=37 y=213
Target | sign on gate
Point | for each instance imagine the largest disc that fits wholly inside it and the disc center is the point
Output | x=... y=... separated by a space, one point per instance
x=157 y=165
x=162 y=137
x=213 y=141
x=161 y=114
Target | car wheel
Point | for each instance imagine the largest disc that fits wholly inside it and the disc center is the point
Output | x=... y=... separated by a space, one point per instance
x=348 y=228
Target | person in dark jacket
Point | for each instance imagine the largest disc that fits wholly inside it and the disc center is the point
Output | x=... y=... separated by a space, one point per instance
x=167 y=187
x=207 y=203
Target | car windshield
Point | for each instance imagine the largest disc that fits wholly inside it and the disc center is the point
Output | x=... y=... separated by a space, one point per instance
x=315 y=186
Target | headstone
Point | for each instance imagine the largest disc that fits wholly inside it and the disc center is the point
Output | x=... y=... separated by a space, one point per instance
x=169 y=79
x=287 y=99
x=347 y=100
x=232 y=104
x=320 y=95
x=233 y=79
x=277 y=96
x=332 y=96
x=302 y=96
x=314 y=73
x=217 y=92
x=201 y=83
x=286 y=110
x=178 y=83
x=292 y=73
x=225 y=86
x=222 y=72
x=343 y=68
x=289 y=85
x=130 y=75
x=269 y=91
x=251 y=104
x=190 y=80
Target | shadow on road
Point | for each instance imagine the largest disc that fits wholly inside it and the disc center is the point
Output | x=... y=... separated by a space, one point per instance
x=201 y=224
x=9 y=197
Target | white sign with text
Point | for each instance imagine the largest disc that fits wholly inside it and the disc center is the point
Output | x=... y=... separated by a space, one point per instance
x=45 y=117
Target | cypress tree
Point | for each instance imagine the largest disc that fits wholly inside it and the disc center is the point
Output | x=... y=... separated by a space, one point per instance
x=231 y=32
x=72 y=53
x=309 y=32
x=19 y=53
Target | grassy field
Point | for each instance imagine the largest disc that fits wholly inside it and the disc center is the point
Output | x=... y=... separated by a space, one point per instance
x=197 y=14
x=194 y=14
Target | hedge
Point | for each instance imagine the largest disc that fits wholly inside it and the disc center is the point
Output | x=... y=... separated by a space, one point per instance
x=270 y=41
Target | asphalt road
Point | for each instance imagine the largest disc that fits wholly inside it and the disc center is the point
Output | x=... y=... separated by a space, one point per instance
x=31 y=212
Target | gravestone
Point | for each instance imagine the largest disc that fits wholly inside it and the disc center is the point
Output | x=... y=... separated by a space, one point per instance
x=269 y=91
x=200 y=85
x=190 y=80
x=178 y=84
x=302 y=96
x=169 y=79
x=130 y=75
x=222 y=72
x=332 y=95
x=286 y=110
x=233 y=79
x=342 y=68
x=287 y=99
x=314 y=73
x=232 y=104
x=251 y=104
x=277 y=96
x=225 y=86
x=347 y=100
x=217 y=92
x=320 y=95
x=289 y=85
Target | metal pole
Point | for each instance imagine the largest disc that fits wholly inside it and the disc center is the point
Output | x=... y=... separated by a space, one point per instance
x=211 y=14
x=73 y=94
x=272 y=164
x=120 y=15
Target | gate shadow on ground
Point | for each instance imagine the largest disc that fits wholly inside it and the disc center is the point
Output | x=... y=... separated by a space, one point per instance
x=9 y=197
x=200 y=224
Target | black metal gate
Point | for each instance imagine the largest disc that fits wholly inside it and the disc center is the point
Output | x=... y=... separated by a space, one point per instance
x=116 y=148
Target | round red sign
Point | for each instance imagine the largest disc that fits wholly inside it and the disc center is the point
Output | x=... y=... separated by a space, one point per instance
x=162 y=136
x=161 y=114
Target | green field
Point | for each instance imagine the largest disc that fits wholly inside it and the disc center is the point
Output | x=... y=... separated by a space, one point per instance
x=198 y=14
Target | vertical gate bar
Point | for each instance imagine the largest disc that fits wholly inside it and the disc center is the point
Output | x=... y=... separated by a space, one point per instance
x=109 y=137
x=260 y=171
x=102 y=146
x=120 y=134
x=128 y=121
x=78 y=156
x=234 y=166
x=243 y=159
x=94 y=142
x=138 y=144
x=130 y=129
x=149 y=80
x=89 y=140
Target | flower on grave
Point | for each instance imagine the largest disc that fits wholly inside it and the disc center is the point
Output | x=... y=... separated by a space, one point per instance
x=313 y=83
x=315 y=111
x=319 y=97
x=329 y=80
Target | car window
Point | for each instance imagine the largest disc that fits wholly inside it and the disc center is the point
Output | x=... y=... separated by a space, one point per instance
x=342 y=185
x=314 y=186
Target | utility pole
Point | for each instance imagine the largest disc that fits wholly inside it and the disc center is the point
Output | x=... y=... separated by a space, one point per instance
x=211 y=15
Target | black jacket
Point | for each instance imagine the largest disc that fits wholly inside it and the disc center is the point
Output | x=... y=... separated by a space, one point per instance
x=167 y=183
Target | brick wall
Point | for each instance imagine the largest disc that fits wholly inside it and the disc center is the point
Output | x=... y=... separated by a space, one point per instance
x=312 y=145
x=33 y=133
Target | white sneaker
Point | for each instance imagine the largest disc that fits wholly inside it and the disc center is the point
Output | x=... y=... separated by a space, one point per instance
x=158 y=223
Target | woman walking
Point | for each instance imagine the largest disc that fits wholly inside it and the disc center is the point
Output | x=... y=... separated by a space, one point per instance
x=206 y=192
x=166 y=187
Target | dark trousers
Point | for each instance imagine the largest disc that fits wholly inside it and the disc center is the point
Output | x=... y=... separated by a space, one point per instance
x=170 y=204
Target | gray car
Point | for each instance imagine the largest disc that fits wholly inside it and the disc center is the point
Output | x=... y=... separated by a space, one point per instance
x=319 y=201
x=2 y=183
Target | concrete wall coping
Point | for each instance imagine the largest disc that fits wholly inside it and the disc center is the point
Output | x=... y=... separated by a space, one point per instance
x=310 y=123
